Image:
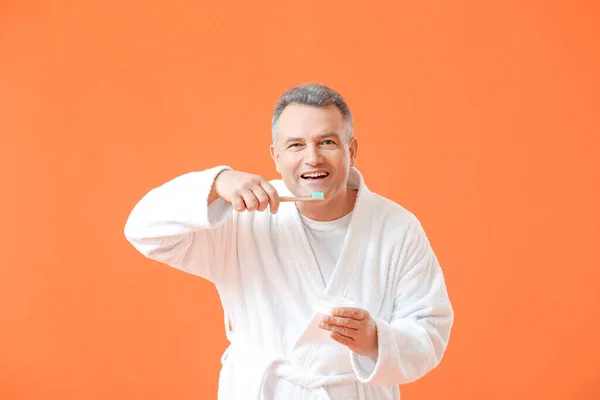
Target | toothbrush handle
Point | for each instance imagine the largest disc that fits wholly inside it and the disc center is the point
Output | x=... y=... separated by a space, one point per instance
x=285 y=199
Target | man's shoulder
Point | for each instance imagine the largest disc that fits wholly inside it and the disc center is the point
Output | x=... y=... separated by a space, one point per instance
x=391 y=209
x=397 y=224
x=395 y=220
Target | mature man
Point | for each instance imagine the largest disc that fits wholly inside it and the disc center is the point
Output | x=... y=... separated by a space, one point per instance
x=337 y=298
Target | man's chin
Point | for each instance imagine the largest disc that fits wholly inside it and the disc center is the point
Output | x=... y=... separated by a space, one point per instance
x=304 y=190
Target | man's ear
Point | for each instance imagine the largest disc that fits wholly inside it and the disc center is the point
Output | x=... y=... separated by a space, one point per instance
x=353 y=147
x=275 y=157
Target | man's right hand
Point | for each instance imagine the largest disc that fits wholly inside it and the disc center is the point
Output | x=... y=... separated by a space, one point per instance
x=245 y=191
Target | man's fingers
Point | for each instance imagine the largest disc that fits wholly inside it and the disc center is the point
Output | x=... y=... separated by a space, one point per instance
x=345 y=340
x=250 y=200
x=342 y=321
x=238 y=204
x=246 y=192
x=272 y=194
x=342 y=330
x=262 y=197
x=350 y=312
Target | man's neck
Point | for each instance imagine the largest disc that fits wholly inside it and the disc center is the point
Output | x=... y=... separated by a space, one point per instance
x=329 y=210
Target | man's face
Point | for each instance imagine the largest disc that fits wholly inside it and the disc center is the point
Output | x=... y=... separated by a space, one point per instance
x=312 y=154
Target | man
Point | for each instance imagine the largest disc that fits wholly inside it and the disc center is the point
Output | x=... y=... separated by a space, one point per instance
x=339 y=298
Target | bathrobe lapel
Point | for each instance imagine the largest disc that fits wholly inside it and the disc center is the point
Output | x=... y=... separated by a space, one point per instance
x=343 y=279
x=302 y=256
x=296 y=242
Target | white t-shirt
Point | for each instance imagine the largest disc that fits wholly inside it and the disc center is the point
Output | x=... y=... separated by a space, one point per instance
x=327 y=240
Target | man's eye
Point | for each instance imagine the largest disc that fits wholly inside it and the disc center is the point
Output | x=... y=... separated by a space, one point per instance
x=293 y=145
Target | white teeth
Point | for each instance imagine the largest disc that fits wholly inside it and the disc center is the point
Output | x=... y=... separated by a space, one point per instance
x=314 y=175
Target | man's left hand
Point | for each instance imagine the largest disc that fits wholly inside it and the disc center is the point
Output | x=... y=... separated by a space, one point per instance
x=354 y=328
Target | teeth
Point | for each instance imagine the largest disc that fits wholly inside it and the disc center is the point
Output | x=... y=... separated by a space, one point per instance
x=315 y=175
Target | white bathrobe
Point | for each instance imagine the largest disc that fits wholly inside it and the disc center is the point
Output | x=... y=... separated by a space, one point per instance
x=268 y=281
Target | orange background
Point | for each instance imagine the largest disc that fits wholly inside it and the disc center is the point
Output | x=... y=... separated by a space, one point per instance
x=480 y=117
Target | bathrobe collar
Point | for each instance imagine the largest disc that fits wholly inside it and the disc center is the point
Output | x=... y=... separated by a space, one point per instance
x=301 y=254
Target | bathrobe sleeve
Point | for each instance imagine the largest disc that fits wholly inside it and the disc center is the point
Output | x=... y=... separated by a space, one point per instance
x=413 y=342
x=174 y=224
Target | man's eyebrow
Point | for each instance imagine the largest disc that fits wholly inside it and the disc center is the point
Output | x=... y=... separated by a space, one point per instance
x=293 y=139
x=327 y=134
x=318 y=135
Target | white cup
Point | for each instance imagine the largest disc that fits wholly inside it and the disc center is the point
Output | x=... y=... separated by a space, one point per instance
x=325 y=304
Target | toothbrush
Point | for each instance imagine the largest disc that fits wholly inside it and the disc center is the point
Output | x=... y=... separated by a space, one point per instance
x=316 y=196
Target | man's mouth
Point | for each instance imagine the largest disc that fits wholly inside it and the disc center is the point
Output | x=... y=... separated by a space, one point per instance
x=314 y=175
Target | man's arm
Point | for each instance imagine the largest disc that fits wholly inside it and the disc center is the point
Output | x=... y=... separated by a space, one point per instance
x=413 y=342
x=175 y=225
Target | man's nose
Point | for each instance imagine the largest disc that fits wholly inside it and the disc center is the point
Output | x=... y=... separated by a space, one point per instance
x=312 y=156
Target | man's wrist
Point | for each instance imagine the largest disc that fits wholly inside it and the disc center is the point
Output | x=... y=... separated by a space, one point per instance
x=374 y=355
x=213 y=195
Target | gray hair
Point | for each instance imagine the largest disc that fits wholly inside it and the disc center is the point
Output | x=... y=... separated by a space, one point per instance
x=315 y=95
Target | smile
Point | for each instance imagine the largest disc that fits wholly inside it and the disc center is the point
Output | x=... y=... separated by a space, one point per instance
x=314 y=175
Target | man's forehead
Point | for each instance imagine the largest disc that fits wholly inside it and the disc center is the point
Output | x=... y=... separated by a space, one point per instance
x=319 y=134
x=308 y=122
